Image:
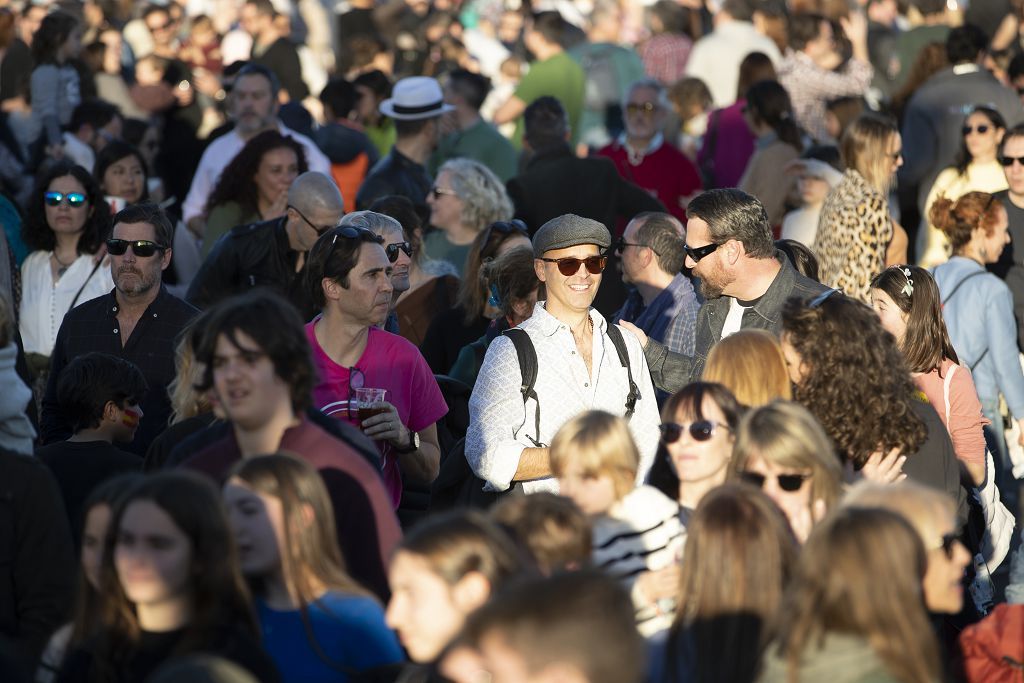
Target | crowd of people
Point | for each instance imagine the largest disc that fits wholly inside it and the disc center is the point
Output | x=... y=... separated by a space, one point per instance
x=600 y=341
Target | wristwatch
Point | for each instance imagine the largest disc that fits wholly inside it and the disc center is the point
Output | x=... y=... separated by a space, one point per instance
x=412 y=446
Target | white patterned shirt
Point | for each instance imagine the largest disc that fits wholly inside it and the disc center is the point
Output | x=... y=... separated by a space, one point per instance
x=500 y=426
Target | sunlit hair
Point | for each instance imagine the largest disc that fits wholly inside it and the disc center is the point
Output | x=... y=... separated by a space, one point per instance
x=855 y=382
x=550 y=528
x=865 y=149
x=689 y=401
x=859 y=574
x=926 y=342
x=599 y=443
x=750 y=364
x=186 y=400
x=472 y=295
x=483 y=195
x=739 y=556
x=311 y=560
x=960 y=218
x=927 y=509
x=456 y=543
x=218 y=595
x=786 y=435
x=513 y=276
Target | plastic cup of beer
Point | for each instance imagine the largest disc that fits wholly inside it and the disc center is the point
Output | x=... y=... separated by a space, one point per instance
x=369 y=402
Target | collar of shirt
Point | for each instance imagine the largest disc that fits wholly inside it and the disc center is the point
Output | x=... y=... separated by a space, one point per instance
x=548 y=324
x=654 y=145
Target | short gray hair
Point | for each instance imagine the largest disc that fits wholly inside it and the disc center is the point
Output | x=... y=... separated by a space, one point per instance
x=660 y=92
x=663 y=234
x=483 y=195
x=732 y=214
x=375 y=222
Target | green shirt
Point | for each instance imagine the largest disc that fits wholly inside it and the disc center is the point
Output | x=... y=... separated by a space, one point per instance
x=626 y=68
x=382 y=137
x=560 y=77
x=481 y=142
x=222 y=218
x=437 y=246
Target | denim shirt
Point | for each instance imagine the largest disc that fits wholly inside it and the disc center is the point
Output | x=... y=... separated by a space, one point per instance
x=980 y=319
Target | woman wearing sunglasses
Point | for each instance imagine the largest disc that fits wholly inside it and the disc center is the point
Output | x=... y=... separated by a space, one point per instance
x=66 y=223
x=977 y=169
x=782 y=450
x=697 y=435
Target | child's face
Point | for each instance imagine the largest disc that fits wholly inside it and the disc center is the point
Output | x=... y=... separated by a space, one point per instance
x=203 y=35
x=812 y=190
x=127 y=424
x=594 y=494
x=147 y=74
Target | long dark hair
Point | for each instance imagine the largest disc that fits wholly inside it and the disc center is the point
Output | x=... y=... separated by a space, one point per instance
x=113 y=152
x=53 y=31
x=236 y=183
x=37 y=233
x=769 y=102
x=963 y=157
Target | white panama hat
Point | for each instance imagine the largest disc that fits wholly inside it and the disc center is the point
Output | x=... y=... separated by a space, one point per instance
x=414 y=98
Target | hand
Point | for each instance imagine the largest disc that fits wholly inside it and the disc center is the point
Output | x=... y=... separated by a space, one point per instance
x=803 y=521
x=661 y=584
x=386 y=426
x=884 y=469
x=640 y=335
x=855 y=27
x=279 y=206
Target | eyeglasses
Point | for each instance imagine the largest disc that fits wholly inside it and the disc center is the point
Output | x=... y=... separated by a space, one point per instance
x=392 y=250
x=701 y=430
x=514 y=226
x=1008 y=161
x=438 y=191
x=356 y=380
x=55 y=198
x=696 y=254
x=621 y=244
x=787 y=482
x=318 y=229
x=141 y=248
x=570 y=265
x=638 y=107
x=980 y=130
x=948 y=544
x=350 y=233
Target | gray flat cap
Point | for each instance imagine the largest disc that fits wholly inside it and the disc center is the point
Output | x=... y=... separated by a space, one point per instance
x=568 y=231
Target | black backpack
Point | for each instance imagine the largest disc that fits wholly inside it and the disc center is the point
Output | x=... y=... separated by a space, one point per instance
x=456 y=484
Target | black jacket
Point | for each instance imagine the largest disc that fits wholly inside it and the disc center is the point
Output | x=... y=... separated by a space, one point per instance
x=36 y=558
x=395 y=174
x=254 y=255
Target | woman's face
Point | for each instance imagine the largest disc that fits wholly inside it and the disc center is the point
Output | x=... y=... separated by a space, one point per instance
x=992 y=245
x=64 y=218
x=445 y=208
x=981 y=137
x=152 y=556
x=894 y=320
x=93 y=537
x=257 y=523
x=943 y=580
x=894 y=150
x=278 y=168
x=424 y=610
x=794 y=363
x=124 y=178
x=777 y=482
x=701 y=461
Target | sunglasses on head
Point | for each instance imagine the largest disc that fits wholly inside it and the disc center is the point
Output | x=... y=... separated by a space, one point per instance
x=787 y=482
x=701 y=430
x=697 y=253
x=570 y=265
x=1008 y=161
x=55 y=198
x=348 y=232
x=142 y=248
x=392 y=250
x=980 y=129
x=514 y=226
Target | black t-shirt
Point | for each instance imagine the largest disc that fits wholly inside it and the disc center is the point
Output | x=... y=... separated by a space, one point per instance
x=1010 y=266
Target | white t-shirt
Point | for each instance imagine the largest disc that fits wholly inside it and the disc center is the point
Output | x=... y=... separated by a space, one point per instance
x=734 y=320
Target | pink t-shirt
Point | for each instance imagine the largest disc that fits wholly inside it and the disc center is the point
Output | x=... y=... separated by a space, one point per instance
x=389 y=362
x=965 y=417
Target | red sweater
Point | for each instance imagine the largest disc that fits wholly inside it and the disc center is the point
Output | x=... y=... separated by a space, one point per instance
x=666 y=173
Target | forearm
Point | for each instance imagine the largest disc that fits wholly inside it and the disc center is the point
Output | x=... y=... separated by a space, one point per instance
x=423 y=464
x=534 y=463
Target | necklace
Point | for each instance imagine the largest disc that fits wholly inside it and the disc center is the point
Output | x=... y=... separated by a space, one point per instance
x=61 y=266
x=587 y=324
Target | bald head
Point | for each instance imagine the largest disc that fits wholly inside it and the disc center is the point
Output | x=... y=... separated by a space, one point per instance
x=314 y=192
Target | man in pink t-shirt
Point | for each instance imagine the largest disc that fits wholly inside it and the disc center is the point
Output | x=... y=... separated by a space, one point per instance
x=350 y=279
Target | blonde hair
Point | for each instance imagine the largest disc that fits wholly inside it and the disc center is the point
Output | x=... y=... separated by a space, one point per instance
x=864 y=148
x=786 y=434
x=920 y=505
x=750 y=364
x=186 y=400
x=599 y=443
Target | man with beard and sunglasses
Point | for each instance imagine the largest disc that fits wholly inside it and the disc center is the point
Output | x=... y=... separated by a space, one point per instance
x=744 y=280
x=578 y=363
x=272 y=253
x=350 y=280
x=139 y=321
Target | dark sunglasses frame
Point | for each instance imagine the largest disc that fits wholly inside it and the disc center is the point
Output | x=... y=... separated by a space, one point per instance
x=141 y=248
x=350 y=233
x=318 y=229
x=570 y=265
x=949 y=544
x=75 y=199
x=503 y=228
x=700 y=430
x=1008 y=161
x=697 y=253
x=620 y=245
x=353 y=383
x=981 y=129
x=787 y=482
x=392 y=250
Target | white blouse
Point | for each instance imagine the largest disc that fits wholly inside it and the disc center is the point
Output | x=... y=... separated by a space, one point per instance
x=44 y=303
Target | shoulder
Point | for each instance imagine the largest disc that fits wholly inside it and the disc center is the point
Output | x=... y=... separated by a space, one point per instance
x=36 y=260
x=393 y=346
x=253 y=230
x=182 y=310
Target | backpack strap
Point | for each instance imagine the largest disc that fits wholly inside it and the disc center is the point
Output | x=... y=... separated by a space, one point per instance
x=528 y=367
x=620 y=347
x=960 y=284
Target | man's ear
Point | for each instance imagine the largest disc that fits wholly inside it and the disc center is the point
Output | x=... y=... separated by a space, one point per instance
x=111 y=412
x=538 y=268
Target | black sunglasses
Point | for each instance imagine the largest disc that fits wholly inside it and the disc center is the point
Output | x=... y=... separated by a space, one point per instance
x=319 y=229
x=141 y=248
x=697 y=253
x=392 y=250
x=1008 y=161
x=570 y=265
x=621 y=244
x=701 y=430
x=356 y=380
x=514 y=226
x=787 y=482
x=55 y=198
x=981 y=130
x=350 y=233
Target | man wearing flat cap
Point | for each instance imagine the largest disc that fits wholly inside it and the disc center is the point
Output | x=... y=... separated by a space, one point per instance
x=579 y=368
x=416 y=105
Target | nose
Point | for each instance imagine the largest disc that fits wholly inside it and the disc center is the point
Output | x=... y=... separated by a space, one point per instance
x=689 y=262
x=961 y=556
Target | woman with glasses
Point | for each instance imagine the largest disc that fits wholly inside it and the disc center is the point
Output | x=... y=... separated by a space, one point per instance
x=254 y=186
x=977 y=169
x=857 y=237
x=465 y=199
x=66 y=223
x=782 y=450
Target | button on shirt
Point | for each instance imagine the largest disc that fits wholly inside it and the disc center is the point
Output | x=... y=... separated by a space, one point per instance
x=500 y=424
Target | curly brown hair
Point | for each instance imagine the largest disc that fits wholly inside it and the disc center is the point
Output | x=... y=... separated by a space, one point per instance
x=960 y=218
x=855 y=380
